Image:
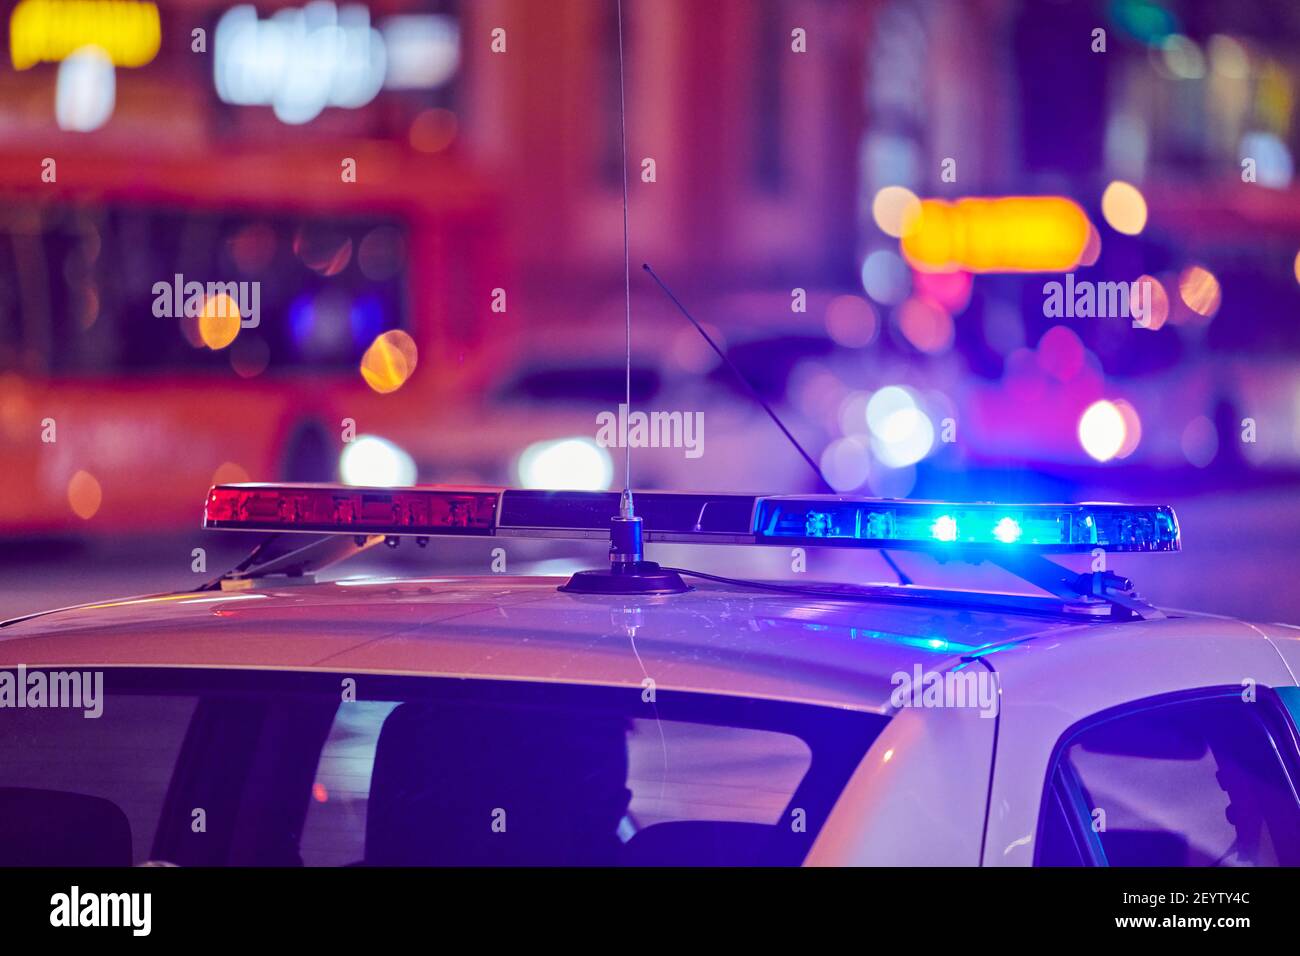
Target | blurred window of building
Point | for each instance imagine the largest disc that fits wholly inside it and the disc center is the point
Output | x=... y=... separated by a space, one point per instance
x=122 y=289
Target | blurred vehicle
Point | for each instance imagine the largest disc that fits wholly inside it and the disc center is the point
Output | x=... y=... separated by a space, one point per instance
x=460 y=720
x=105 y=380
x=554 y=384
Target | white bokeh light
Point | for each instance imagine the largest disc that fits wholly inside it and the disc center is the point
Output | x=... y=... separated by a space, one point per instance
x=904 y=438
x=885 y=402
x=299 y=61
x=1102 y=430
x=576 y=464
x=374 y=462
x=86 y=90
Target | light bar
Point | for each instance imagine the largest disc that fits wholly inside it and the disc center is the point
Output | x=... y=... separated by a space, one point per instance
x=783 y=521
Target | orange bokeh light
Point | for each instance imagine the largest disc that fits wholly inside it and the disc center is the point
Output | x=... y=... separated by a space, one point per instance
x=1011 y=234
x=1200 y=291
x=84 y=495
x=389 y=361
x=219 y=321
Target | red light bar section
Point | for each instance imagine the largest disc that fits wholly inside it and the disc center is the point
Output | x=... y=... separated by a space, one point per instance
x=329 y=508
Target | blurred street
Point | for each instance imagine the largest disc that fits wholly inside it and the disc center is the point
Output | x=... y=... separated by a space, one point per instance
x=1007 y=250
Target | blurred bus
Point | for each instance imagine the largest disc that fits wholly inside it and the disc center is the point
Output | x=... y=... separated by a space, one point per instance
x=114 y=417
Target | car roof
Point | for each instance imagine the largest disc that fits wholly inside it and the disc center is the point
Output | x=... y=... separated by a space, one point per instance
x=715 y=639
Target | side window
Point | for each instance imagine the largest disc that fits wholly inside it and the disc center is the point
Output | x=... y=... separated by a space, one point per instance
x=78 y=789
x=1207 y=780
x=334 y=833
x=677 y=772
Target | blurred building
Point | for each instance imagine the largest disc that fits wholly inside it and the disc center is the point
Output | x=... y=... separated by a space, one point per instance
x=772 y=127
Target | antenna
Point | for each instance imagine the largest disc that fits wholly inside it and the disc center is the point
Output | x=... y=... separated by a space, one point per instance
x=740 y=375
x=625 y=506
x=893 y=566
x=628 y=572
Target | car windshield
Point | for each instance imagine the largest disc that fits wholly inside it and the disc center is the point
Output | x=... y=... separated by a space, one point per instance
x=247 y=768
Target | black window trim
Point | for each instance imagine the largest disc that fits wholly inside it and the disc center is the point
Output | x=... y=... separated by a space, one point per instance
x=1276 y=720
x=837 y=746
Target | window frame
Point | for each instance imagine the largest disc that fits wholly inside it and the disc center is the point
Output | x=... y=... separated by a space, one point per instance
x=1277 y=720
x=837 y=739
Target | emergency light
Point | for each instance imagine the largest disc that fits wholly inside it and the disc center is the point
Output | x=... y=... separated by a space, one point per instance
x=779 y=520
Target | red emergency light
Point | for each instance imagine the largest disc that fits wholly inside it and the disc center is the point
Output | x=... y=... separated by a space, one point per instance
x=331 y=508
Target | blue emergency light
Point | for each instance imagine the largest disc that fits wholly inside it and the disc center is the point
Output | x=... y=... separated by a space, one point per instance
x=948 y=526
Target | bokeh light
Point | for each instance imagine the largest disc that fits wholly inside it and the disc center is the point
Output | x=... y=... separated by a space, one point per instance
x=381 y=254
x=949 y=290
x=1182 y=57
x=1102 y=431
x=373 y=462
x=851 y=321
x=1132 y=428
x=1092 y=249
x=1159 y=304
x=853 y=413
x=323 y=249
x=433 y=130
x=1199 y=290
x=903 y=438
x=1060 y=353
x=886 y=277
x=884 y=403
x=845 y=463
x=389 y=361
x=253 y=248
x=1228 y=57
x=219 y=321
x=189 y=326
x=895 y=209
x=84 y=495
x=1274 y=166
x=1124 y=208
x=85 y=91
x=925 y=325
x=577 y=464
x=816 y=391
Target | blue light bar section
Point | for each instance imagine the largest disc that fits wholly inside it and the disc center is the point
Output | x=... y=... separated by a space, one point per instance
x=951 y=527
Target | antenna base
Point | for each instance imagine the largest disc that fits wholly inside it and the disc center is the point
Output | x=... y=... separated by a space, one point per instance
x=634 y=577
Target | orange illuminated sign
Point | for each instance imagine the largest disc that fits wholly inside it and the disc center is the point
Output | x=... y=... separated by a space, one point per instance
x=1008 y=234
x=48 y=31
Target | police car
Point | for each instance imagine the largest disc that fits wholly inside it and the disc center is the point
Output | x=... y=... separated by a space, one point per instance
x=637 y=715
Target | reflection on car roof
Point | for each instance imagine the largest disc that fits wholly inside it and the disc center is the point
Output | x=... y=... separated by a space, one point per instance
x=716 y=639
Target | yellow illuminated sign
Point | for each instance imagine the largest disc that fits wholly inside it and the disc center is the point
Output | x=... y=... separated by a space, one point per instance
x=47 y=31
x=1009 y=234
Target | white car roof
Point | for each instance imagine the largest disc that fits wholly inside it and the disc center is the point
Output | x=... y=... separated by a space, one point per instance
x=716 y=639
